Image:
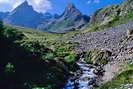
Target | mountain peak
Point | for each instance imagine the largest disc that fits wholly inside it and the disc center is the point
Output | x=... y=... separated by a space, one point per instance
x=71 y=19
x=71 y=10
x=71 y=5
x=24 y=7
x=24 y=15
x=25 y=3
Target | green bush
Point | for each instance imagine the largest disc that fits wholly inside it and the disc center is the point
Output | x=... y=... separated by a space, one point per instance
x=9 y=32
x=48 y=56
x=9 y=67
x=70 y=58
x=61 y=52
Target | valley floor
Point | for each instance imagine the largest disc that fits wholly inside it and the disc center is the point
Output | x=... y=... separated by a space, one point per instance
x=29 y=54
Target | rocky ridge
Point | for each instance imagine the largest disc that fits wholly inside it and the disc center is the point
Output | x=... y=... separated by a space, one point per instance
x=110 y=13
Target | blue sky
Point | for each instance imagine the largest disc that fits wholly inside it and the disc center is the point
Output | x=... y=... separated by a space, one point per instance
x=57 y=6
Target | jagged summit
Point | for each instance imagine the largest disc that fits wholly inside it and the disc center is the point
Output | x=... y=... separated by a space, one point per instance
x=25 y=3
x=24 y=6
x=71 y=10
x=24 y=15
x=70 y=5
x=71 y=19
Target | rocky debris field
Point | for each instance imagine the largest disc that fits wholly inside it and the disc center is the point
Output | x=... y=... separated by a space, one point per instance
x=114 y=39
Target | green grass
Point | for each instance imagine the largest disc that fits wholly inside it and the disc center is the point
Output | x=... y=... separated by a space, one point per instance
x=60 y=25
x=72 y=57
x=48 y=46
x=48 y=56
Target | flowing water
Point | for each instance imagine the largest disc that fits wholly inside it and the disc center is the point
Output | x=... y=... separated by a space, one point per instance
x=84 y=78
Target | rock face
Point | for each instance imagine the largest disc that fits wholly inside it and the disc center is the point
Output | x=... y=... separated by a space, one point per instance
x=24 y=16
x=71 y=19
x=105 y=15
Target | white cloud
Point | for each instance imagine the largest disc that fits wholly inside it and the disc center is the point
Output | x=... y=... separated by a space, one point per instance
x=16 y=3
x=93 y=1
x=38 y=5
x=89 y=2
x=41 y=5
x=96 y=1
x=4 y=1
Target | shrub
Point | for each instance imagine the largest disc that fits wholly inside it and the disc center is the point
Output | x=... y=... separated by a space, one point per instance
x=9 y=32
x=70 y=58
x=61 y=52
x=9 y=67
x=48 y=56
x=97 y=57
x=89 y=55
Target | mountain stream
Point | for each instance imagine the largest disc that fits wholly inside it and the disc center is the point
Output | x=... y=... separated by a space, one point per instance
x=84 y=78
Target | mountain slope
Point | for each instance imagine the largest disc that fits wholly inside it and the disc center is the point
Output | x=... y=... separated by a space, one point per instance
x=71 y=19
x=113 y=12
x=3 y=15
x=24 y=16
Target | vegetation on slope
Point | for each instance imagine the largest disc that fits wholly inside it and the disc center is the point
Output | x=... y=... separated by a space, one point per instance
x=97 y=57
x=117 y=20
x=32 y=59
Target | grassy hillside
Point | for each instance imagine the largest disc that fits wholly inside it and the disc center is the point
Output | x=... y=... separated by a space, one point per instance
x=33 y=59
